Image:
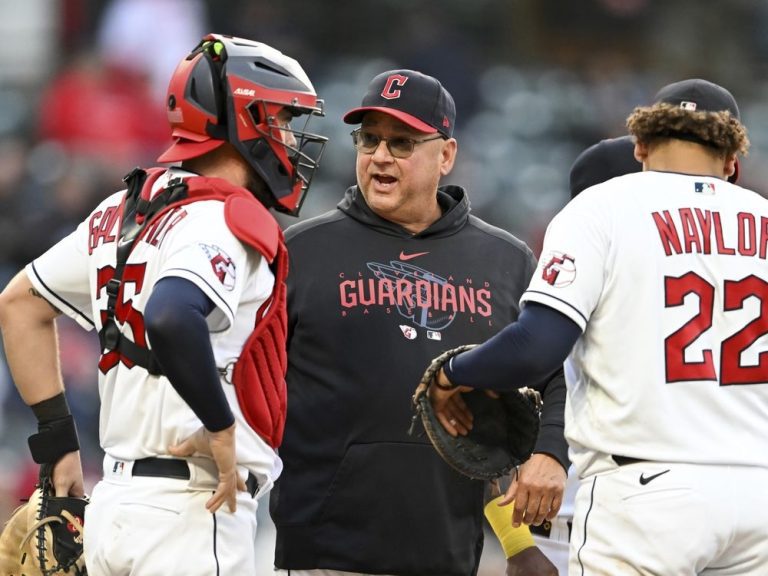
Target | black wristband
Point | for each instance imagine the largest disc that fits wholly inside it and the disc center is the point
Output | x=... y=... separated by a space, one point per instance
x=52 y=409
x=53 y=439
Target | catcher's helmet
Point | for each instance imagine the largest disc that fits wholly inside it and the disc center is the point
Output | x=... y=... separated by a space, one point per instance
x=230 y=89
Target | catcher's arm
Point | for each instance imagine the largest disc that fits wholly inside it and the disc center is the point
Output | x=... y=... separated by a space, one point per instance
x=29 y=337
x=28 y=326
x=175 y=320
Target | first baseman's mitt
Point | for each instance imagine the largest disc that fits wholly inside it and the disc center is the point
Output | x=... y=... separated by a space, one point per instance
x=44 y=536
x=504 y=429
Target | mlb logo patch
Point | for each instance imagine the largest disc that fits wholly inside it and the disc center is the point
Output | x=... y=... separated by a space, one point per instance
x=688 y=105
x=704 y=188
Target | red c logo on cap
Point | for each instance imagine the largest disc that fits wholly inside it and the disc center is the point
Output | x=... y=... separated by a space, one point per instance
x=393 y=85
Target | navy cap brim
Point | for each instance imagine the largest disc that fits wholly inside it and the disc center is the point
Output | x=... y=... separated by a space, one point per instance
x=355 y=116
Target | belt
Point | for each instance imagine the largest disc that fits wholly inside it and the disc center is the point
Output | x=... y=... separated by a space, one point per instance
x=624 y=460
x=175 y=468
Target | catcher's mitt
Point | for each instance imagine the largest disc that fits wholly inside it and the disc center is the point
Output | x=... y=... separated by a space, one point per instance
x=44 y=536
x=504 y=429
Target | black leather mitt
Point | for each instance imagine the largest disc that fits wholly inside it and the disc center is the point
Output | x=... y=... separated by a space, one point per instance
x=504 y=429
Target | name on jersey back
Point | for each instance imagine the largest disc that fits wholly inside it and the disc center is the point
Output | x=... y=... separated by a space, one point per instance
x=698 y=231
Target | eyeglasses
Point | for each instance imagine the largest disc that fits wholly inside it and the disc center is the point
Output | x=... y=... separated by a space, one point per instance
x=399 y=147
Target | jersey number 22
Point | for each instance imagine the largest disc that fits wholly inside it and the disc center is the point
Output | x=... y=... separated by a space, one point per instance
x=735 y=293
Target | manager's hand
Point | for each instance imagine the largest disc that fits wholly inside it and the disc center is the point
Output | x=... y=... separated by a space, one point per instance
x=537 y=490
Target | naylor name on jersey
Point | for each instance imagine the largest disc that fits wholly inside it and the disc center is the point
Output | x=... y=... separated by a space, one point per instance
x=693 y=230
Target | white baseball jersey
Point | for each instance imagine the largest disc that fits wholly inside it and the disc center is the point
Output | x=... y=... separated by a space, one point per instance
x=668 y=277
x=141 y=415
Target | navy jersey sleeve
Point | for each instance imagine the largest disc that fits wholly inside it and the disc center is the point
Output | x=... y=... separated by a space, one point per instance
x=530 y=349
x=175 y=320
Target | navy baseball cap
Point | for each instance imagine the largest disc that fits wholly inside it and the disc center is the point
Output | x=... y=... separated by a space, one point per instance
x=698 y=95
x=418 y=100
x=602 y=161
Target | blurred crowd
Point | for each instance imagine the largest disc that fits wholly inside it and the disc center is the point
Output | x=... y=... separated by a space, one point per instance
x=82 y=86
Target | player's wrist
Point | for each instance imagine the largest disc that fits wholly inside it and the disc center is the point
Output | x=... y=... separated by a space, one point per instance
x=512 y=540
x=56 y=430
x=225 y=432
x=220 y=423
x=442 y=381
x=51 y=409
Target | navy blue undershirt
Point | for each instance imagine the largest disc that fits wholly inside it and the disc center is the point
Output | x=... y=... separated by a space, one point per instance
x=530 y=349
x=175 y=320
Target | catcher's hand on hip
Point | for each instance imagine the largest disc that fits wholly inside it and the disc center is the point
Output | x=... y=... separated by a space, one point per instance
x=537 y=490
x=221 y=446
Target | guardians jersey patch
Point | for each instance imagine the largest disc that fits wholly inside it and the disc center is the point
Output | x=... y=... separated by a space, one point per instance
x=222 y=265
x=558 y=269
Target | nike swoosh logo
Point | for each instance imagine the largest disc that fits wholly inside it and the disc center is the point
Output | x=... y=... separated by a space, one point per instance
x=405 y=257
x=645 y=479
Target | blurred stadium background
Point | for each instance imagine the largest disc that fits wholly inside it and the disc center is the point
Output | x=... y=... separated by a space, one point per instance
x=82 y=86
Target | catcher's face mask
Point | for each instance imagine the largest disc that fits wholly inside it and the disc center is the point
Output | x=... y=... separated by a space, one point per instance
x=233 y=90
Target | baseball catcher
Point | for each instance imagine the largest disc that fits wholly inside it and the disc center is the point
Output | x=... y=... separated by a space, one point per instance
x=503 y=432
x=44 y=536
x=186 y=289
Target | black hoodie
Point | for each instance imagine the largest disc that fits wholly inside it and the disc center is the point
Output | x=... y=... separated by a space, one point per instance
x=369 y=305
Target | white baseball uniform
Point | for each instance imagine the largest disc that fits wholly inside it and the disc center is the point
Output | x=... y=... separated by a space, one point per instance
x=140 y=414
x=667 y=274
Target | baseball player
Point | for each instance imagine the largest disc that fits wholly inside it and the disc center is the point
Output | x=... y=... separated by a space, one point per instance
x=656 y=284
x=175 y=274
x=602 y=161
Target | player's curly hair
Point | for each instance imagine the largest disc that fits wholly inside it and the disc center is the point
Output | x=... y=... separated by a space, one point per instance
x=718 y=130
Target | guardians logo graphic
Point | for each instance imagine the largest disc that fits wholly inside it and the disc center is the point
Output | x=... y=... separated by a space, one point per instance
x=427 y=299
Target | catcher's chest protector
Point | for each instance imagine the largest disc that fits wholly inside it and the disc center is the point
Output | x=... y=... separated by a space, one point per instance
x=258 y=375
